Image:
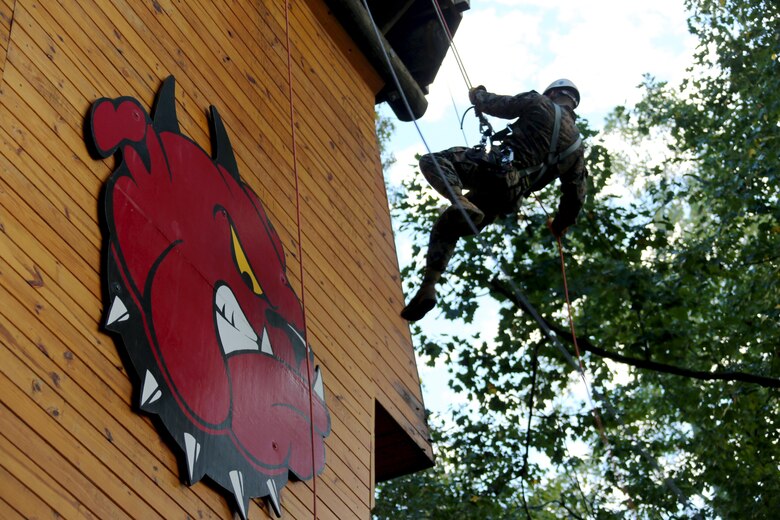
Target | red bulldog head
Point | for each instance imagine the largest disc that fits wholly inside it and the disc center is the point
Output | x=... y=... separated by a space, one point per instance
x=198 y=293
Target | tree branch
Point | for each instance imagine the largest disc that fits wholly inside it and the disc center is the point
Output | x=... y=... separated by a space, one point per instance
x=586 y=345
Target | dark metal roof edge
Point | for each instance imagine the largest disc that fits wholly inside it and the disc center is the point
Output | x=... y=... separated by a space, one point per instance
x=356 y=21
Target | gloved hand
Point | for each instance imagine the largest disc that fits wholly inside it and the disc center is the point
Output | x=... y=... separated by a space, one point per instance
x=555 y=232
x=473 y=93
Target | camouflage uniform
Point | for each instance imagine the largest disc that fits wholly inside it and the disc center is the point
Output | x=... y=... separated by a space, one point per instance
x=493 y=191
x=498 y=194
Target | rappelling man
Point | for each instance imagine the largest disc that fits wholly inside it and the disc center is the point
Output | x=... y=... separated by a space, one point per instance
x=541 y=145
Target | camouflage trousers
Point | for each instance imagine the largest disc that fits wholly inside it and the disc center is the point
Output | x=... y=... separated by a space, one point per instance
x=460 y=169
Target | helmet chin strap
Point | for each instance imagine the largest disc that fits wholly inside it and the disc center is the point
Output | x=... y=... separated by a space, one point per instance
x=567 y=86
x=556 y=93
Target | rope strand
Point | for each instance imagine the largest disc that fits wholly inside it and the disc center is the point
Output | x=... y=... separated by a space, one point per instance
x=309 y=373
x=455 y=53
x=578 y=365
x=596 y=413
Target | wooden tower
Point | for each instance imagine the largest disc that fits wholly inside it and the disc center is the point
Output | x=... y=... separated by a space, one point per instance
x=294 y=85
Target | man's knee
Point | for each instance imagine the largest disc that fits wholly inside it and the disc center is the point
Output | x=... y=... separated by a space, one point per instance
x=428 y=163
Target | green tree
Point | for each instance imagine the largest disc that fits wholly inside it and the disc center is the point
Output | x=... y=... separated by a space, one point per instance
x=676 y=282
x=384 y=130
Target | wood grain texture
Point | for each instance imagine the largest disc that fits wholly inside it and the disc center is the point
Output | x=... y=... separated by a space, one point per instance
x=72 y=444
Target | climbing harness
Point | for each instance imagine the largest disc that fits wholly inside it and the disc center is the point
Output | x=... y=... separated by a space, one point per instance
x=498 y=158
x=505 y=157
x=551 y=159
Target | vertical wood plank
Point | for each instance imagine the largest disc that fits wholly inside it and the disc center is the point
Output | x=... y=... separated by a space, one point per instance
x=74 y=444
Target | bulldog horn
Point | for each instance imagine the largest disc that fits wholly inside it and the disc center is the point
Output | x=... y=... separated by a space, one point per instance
x=221 y=148
x=164 y=119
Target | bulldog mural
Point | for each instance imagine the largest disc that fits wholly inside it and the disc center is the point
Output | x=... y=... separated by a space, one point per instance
x=198 y=293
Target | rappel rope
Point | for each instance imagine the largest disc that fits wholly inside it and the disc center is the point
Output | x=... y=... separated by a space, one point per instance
x=576 y=364
x=455 y=53
x=309 y=372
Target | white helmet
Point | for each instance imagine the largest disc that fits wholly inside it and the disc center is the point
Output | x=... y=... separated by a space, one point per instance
x=569 y=89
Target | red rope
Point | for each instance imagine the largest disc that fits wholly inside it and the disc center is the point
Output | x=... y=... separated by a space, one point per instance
x=309 y=373
x=596 y=414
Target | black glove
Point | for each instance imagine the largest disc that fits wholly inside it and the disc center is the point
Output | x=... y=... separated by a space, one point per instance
x=473 y=93
x=553 y=227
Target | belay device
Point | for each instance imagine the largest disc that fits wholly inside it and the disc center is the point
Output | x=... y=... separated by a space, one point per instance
x=491 y=153
x=499 y=158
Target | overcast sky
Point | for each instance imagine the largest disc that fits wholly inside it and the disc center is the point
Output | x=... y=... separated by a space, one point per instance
x=512 y=46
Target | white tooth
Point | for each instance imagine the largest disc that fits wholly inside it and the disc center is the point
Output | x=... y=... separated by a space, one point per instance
x=192 y=447
x=232 y=339
x=273 y=496
x=265 y=344
x=319 y=388
x=297 y=334
x=219 y=300
x=237 y=480
x=118 y=312
x=150 y=391
x=234 y=330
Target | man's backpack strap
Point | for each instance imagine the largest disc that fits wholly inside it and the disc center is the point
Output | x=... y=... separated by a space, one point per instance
x=529 y=176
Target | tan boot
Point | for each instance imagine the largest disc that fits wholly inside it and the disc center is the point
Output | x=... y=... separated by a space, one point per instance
x=457 y=222
x=425 y=299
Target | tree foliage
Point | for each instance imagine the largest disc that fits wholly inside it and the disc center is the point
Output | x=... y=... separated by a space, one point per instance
x=674 y=261
x=384 y=130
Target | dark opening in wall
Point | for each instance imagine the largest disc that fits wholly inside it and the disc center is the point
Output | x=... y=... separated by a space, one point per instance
x=396 y=453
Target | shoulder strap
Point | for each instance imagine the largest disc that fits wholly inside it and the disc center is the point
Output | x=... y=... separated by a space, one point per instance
x=530 y=176
x=555 y=135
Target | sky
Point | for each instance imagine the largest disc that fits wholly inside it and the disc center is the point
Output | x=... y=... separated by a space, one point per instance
x=510 y=46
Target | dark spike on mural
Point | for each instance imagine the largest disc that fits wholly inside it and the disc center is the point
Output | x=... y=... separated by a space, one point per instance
x=221 y=148
x=117 y=313
x=192 y=449
x=150 y=392
x=164 y=118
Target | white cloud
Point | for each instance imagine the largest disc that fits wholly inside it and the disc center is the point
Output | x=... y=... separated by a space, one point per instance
x=405 y=164
x=604 y=46
x=511 y=46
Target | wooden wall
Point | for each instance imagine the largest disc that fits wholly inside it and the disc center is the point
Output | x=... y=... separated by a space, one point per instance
x=70 y=443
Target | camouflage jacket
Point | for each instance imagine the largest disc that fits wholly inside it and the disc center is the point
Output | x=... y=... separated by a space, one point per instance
x=530 y=139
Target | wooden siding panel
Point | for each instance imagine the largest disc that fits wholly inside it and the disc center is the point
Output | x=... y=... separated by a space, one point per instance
x=395 y=369
x=75 y=444
x=6 y=23
x=26 y=505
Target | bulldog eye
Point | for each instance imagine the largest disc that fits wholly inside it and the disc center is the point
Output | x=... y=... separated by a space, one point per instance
x=242 y=263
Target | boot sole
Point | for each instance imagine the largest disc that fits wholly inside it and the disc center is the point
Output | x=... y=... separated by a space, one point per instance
x=417 y=312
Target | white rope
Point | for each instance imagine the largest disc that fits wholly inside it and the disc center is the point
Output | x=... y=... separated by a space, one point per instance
x=669 y=481
x=455 y=53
